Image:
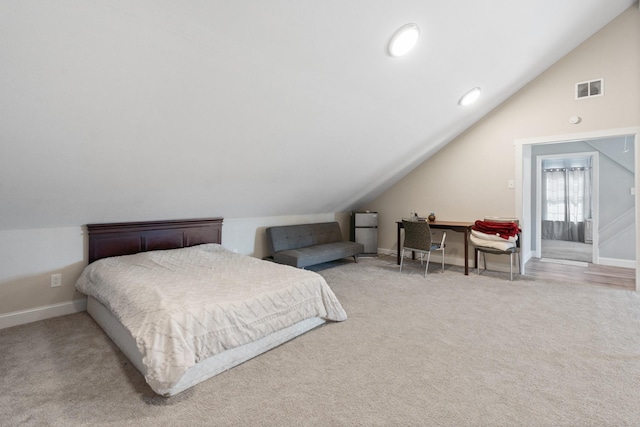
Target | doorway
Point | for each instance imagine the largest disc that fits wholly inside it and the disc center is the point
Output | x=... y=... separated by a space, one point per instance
x=567 y=203
x=607 y=251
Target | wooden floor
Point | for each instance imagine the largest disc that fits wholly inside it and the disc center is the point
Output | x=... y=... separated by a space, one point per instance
x=592 y=274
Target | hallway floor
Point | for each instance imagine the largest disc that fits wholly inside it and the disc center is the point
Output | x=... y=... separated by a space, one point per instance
x=590 y=274
x=561 y=249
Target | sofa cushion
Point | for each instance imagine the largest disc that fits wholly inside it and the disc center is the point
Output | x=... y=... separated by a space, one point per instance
x=317 y=254
x=282 y=238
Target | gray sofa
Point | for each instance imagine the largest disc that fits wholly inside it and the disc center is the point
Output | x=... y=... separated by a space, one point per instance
x=309 y=244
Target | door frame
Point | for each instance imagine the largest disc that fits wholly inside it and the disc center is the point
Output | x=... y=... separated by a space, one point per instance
x=523 y=182
x=595 y=198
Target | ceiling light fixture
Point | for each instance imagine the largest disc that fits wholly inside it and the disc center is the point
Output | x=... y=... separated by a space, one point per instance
x=470 y=97
x=404 y=40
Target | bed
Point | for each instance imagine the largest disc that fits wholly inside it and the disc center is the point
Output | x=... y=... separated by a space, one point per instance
x=183 y=309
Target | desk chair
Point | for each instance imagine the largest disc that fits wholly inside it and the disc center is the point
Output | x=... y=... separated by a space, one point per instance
x=418 y=238
x=511 y=251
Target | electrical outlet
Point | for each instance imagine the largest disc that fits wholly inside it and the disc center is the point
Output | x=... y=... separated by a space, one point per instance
x=56 y=280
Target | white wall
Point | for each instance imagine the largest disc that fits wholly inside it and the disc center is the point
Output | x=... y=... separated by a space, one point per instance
x=467 y=179
x=27 y=260
x=247 y=235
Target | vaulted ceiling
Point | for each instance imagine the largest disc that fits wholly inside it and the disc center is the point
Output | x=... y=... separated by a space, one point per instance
x=121 y=110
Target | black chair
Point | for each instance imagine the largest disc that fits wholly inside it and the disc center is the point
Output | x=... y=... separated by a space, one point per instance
x=418 y=238
x=489 y=250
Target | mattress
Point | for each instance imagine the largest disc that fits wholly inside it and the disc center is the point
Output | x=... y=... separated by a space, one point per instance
x=184 y=306
x=209 y=367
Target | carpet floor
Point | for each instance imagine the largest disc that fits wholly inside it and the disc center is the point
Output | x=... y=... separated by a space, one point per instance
x=445 y=350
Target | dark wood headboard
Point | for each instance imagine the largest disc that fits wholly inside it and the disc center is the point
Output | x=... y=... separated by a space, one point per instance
x=126 y=238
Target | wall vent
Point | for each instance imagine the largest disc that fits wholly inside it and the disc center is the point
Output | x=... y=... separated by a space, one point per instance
x=590 y=89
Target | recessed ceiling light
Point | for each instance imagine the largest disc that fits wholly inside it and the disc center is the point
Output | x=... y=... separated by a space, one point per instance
x=470 y=97
x=404 y=40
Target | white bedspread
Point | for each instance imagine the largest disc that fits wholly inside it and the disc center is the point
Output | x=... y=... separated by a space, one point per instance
x=184 y=305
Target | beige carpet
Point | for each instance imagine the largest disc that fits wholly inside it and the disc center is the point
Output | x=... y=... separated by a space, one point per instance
x=448 y=350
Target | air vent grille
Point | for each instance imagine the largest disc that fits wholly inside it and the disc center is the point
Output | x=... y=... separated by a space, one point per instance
x=590 y=89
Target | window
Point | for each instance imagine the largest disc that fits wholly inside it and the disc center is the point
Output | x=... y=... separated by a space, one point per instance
x=567 y=194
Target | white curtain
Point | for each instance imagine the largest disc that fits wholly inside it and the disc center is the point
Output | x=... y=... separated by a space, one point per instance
x=555 y=190
x=566 y=203
x=579 y=194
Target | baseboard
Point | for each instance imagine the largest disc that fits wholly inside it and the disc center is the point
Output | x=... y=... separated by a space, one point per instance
x=41 y=313
x=614 y=262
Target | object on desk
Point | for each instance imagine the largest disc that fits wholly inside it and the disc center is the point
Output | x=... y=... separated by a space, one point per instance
x=418 y=238
x=498 y=236
x=415 y=217
x=432 y=217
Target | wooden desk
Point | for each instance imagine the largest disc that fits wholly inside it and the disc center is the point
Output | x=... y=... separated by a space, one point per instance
x=462 y=227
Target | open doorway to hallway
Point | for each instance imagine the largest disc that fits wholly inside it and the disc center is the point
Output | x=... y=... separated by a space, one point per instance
x=599 y=209
x=615 y=235
x=565 y=196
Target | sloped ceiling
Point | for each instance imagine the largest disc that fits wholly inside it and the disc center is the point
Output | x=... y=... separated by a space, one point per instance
x=121 y=110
